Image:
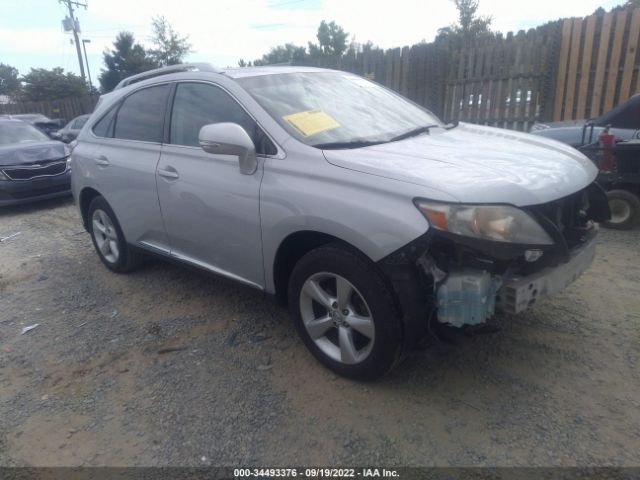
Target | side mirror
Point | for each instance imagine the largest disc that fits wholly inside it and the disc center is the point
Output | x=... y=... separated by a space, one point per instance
x=230 y=139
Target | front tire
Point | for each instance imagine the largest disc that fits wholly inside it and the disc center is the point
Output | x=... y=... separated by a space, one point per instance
x=108 y=239
x=625 y=210
x=345 y=313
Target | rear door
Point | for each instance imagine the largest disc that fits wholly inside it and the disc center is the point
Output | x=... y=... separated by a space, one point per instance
x=127 y=160
x=210 y=209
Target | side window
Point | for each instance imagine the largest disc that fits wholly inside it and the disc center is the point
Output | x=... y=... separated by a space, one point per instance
x=198 y=104
x=141 y=116
x=79 y=123
x=104 y=126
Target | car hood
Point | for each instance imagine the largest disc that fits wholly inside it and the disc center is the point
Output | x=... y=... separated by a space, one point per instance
x=25 y=153
x=477 y=164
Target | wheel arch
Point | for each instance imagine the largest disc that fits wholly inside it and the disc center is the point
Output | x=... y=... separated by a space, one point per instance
x=291 y=249
x=294 y=247
x=86 y=196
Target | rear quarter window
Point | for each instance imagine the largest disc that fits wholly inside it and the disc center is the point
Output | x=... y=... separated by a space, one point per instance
x=104 y=126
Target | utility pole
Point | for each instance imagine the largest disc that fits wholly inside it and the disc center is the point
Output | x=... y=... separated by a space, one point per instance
x=75 y=28
x=84 y=48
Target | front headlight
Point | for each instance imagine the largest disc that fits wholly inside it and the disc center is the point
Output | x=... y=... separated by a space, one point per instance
x=499 y=223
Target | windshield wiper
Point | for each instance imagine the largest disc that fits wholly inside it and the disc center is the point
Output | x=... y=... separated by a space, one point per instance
x=349 y=144
x=413 y=133
x=368 y=143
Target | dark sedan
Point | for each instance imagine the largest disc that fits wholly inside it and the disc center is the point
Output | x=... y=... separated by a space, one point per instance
x=32 y=166
x=624 y=121
x=41 y=122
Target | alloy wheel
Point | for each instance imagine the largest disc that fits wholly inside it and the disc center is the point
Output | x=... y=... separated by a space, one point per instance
x=337 y=318
x=105 y=235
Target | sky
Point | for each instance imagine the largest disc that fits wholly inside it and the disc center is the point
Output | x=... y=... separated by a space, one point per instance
x=223 y=31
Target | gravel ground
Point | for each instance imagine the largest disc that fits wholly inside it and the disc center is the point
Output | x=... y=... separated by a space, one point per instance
x=168 y=366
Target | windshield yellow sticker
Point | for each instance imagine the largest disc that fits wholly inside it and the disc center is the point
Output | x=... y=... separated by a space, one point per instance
x=311 y=122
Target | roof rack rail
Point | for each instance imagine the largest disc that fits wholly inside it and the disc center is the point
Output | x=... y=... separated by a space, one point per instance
x=181 y=67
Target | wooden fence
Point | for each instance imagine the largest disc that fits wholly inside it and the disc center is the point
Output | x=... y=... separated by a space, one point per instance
x=598 y=64
x=502 y=81
x=569 y=69
x=66 y=108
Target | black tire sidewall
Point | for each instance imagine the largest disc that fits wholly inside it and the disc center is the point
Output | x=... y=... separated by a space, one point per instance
x=363 y=274
x=122 y=263
x=632 y=200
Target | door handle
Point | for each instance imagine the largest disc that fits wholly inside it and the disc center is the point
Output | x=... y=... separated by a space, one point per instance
x=168 y=172
x=102 y=161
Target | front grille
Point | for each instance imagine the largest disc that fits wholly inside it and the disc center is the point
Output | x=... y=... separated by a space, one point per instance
x=567 y=216
x=29 y=172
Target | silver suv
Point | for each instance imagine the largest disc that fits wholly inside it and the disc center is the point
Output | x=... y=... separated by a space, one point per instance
x=374 y=221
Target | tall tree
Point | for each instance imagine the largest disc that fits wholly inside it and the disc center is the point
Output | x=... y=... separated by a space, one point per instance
x=169 y=47
x=125 y=59
x=470 y=25
x=42 y=84
x=287 y=53
x=332 y=41
x=9 y=81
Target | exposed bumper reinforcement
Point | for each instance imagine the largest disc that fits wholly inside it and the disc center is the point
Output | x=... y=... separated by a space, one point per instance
x=519 y=293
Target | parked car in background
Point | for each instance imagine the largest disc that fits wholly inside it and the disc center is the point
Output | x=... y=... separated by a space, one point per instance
x=47 y=125
x=72 y=129
x=612 y=142
x=32 y=166
x=624 y=121
x=369 y=217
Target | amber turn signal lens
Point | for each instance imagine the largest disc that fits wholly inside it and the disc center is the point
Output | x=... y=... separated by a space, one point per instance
x=436 y=218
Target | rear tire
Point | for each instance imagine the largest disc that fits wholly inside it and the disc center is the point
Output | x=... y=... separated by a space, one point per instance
x=345 y=313
x=625 y=210
x=108 y=239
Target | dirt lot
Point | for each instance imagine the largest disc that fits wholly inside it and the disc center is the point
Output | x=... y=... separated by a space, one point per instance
x=169 y=366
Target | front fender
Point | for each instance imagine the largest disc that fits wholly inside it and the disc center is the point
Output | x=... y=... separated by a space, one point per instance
x=354 y=207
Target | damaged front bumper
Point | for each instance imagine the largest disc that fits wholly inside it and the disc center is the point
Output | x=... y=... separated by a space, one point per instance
x=519 y=293
x=460 y=281
x=470 y=297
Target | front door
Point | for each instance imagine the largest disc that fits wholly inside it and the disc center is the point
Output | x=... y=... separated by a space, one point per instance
x=210 y=209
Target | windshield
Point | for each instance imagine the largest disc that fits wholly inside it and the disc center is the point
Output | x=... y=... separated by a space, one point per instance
x=28 y=117
x=322 y=109
x=19 y=132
